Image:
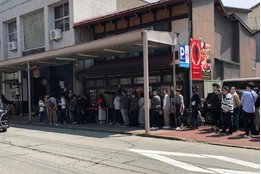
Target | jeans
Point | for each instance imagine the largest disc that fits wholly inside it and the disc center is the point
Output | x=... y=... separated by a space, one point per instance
x=194 y=118
x=125 y=116
x=134 y=117
x=249 y=122
x=236 y=118
x=41 y=116
x=63 y=115
x=155 y=118
x=179 y=116
x=167 y=117
x=227 y=122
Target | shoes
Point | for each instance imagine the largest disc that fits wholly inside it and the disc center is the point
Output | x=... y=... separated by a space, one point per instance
x=166 y=127
x=179 y=128
x=154 y=128
x=246 y=136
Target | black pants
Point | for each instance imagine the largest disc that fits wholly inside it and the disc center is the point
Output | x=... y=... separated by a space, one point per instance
x=217 y=118
x=249 y=122
x=134 y=117
x=227 y=122
x=118 y=117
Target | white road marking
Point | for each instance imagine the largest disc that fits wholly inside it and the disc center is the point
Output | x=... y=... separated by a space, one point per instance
x=176 y=163
x=235 y=161
x=225 y=171
x=157 y=155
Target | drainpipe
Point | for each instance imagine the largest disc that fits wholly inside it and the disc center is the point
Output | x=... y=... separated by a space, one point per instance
x=29 y=92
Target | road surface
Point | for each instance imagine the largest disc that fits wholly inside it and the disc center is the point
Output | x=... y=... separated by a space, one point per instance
x=46 y=150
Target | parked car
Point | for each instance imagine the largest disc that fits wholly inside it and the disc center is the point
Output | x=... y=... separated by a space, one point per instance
x=4 y=122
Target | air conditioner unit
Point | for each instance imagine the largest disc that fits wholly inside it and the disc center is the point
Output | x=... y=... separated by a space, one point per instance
x=12 y=46
x=55 y=34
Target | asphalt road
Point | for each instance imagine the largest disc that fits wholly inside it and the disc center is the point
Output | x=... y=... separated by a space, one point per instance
x=45 y=150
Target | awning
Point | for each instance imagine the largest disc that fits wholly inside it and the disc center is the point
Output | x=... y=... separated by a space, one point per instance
x=109 y=46
x=134 y=65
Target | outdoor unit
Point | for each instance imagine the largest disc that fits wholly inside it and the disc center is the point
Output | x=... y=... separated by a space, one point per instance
x=55 y=34
x=12 y=46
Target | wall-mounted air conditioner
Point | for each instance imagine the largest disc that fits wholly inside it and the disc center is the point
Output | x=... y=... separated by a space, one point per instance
x=12 y=46
x=55 y=34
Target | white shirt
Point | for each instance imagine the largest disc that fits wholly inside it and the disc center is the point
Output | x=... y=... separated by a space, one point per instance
x=63 y=103
x=116 y=103
x=166 y=103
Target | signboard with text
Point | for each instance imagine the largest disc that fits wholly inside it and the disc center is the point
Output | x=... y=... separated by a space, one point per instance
x=183 y=56
x=195 y=50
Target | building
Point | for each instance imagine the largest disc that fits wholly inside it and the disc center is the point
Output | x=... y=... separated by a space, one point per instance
x=104 y=53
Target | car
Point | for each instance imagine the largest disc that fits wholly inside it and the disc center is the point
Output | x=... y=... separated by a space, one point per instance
x=4 y=122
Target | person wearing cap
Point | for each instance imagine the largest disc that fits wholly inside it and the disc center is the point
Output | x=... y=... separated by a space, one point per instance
x=215 y=102
x=195 y=106
x=227 y=111
x=248 y=101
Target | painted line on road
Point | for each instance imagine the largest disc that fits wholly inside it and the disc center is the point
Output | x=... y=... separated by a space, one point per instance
x=176 y=163
x=235 y=161
x=225 y=171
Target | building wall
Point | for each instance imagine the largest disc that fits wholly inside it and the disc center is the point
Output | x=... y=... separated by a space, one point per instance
x=124 y=5
x=226 y=38
x=254 y=18
x=247 y=52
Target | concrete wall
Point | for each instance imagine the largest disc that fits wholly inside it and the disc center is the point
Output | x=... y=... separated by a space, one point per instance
x=247 y=52
x=127 y=4
x=253 y=20
x=226 y=38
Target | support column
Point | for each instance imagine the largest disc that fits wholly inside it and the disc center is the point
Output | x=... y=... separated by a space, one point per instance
x=29 y=93
x=146 y=82
x=174 y=69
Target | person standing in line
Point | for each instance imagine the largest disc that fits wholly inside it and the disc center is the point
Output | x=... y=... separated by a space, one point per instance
x=141 y=110
x=155 y=108
x=166 y=109
x=257 y=106
x=101 y=113
x=134 y=110
x=227 y=111
x=53 y=110
x=195 y=106
x=47 y=109
x=124 y=105
x=73 y=113
x=117 y=109
x=63 y=109
x=248 y=101
x=41 y=109
x=215 y=101
x=236 y=106
x=179 y=103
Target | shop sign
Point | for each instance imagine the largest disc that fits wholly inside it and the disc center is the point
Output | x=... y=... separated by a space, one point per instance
x=183 y=56
x=195 y=50
x=36 y=72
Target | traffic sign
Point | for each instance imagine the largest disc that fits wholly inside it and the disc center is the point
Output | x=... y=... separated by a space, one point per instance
x=183 y=56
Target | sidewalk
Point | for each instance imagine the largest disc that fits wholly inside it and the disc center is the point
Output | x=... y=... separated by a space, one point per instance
x=203 y=134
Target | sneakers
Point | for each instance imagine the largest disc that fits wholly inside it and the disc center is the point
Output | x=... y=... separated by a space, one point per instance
x=166 y=127
x=246 y=136
x=179 y=128
x=154 y=128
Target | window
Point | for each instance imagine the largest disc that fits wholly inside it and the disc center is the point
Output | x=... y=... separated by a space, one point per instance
x=154 y=79
x=12 y=31
x=167 y=78
x=61 y=17
x=113 y=82
x=125 y=81
x=138 y=80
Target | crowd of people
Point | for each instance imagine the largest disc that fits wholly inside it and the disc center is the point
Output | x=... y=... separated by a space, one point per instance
x=123 y=109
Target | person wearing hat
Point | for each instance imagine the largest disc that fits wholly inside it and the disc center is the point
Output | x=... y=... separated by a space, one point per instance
x=227 y=111
x=248 y=101
x=215 y=102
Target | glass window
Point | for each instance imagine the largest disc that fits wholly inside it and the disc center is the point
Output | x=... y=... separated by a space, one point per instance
x=138 y=80
x=168 y=78
x=125 y=81
x=100 y=83
x=12 y=31
x=90 y=83
x=113 y=82
x=61 y=17
x=154 y=79
x=162 y=26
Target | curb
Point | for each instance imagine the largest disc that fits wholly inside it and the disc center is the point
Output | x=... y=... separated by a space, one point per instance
x=142 y=135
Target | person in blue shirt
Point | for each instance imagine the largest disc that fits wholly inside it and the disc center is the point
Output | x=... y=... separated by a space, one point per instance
x=248 y=101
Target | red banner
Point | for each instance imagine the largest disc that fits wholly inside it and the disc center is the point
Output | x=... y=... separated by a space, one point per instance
x=195 y=50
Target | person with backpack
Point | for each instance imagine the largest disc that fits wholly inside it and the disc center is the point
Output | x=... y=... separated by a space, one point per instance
x=248 y=101
x=195 y=106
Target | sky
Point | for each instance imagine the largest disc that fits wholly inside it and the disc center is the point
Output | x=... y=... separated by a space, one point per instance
x=233 y=3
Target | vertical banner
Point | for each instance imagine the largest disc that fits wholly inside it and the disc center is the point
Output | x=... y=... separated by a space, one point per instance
x=195 y=52
x=183 y=56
